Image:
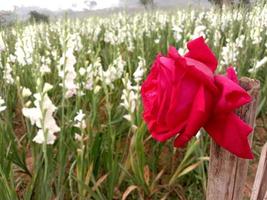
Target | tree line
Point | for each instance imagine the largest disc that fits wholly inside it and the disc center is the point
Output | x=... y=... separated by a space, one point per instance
x=148 y=3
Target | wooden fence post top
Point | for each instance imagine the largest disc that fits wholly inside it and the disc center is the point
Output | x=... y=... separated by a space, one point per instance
x=252 y=86
x=227 y=173
x=248 y=83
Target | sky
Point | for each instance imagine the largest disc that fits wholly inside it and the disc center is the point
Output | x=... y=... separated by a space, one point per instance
x=55 y=4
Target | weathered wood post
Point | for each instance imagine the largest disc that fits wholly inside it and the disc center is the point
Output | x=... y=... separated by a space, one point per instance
x=259 y=190
x=227 y=173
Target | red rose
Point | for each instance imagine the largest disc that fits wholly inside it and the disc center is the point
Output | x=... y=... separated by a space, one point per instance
x=182 y=94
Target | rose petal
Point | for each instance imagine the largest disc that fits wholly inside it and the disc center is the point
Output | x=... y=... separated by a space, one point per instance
x=200 y=51
x=231 y=74
x=231 y=133
x=197 y=117
x=232 y=95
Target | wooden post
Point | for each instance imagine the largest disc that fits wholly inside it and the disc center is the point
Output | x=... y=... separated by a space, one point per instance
x=227 y=173
x=259 y=190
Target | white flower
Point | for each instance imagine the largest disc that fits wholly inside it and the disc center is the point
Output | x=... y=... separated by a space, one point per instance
x=80 y=116
x=47 y=87
x=182 y=51
x=93 y=75
x=68 y=73
x=261 y=63
x=114 y=72
x=129 y=97
x=230 y=52
x=198 y=135
x=128 y=117
x=26 y=92
x=34 y=114
x=141 y=69
x=8 y=74
x=177 y=32
x=89 y=85
x=258 y=65
x=45 y=69
x=2 y=44
x=72 y=90
x=255 y=35
x=82 y=71
x=28 y=103
x=42 y=117
x=40 y=137
x=78 y=137
x=24 y=46
x=81 y=93
x=2 y=105
x=199 y=31
x=12 y=58
x=97 y=89
x=79 y=119
x=240 y=41
x=157 y=41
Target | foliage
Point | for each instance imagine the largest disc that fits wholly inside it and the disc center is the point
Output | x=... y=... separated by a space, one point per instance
x=147 y=3
x=220 y=2
x=38 y=17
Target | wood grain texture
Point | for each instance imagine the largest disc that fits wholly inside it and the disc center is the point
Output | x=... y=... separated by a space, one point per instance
x=227 y=173
x=259 y=190
x=265 y=197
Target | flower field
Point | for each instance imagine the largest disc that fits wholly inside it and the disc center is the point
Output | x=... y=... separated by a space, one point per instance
x=71 y=123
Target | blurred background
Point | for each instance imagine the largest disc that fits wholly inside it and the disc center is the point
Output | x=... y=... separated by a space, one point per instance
x=16 y=9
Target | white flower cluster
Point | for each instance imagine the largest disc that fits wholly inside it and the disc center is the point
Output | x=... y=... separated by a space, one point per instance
x=199 y=31
x=2 y=44
x=112 y=35
x=80 y=120
x=80 y=123
x=230 y=52
x=92 y=75
x=140 y=70
x=129 y=98
x=7 y=74
x=41 y=115
x=114 y=72
x=177 y=32
x=255 y=35
x=45 y=62
x=131 y=93
x=162 y=19
x=26 y=92
x=25 y=45
x=86 y=28
x=240 y=41
x=8 y=70
x=2 y=104
x=258 y=65
x=75 y=42
x=68 y=73
x=217 y=37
